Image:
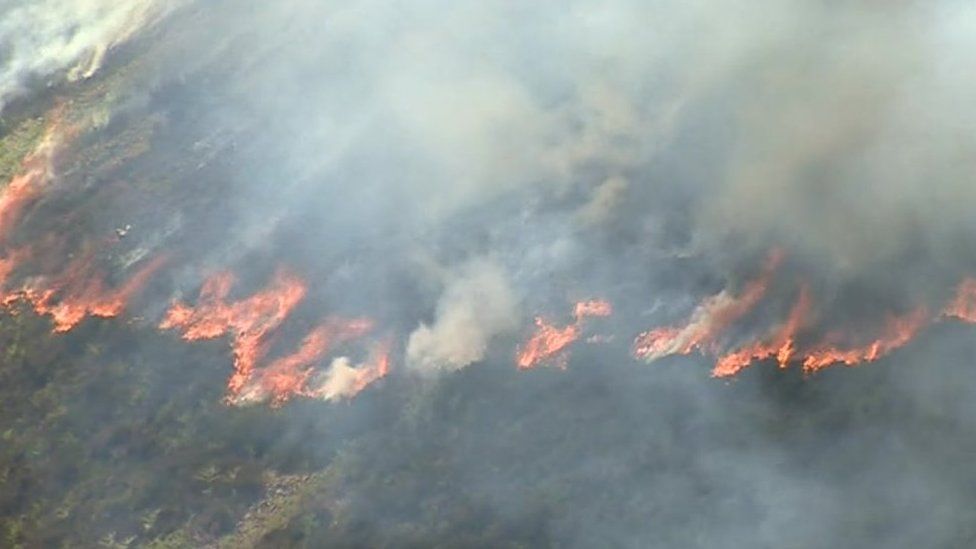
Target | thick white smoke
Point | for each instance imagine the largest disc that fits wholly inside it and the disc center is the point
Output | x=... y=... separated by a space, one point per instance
x=853 y=137
x=41 y=39
x=477 y=305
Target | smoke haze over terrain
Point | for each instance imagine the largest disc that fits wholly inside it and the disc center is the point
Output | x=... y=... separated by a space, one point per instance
x=453 y=172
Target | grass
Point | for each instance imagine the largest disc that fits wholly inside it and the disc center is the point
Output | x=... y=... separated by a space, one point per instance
x=17 y=142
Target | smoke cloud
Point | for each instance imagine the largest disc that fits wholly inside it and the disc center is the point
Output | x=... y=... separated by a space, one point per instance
x=52 y=38
x=476 y=305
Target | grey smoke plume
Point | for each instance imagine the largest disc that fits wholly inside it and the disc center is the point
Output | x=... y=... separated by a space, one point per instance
x=41 y=39
x=823 y=128
x=477 y=305
x=850 y=134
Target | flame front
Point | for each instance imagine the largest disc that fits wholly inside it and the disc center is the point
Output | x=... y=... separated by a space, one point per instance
x=898 y=331
x=289 y=375
x=549 y=340
x=79 y=289
x=249 y=322
x=963 y=306
x=80 y=292
x=344 y=381
x=252 y=322
x=782 y=344
x=716 y=313
x=709 y=321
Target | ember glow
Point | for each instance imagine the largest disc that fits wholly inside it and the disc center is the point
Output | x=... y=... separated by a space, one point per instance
x=549 y=341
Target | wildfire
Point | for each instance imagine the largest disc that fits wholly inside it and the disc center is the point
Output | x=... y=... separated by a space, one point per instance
x=549 y=340
x=593 y=307
x=344 y=381
x=251 y=323
x=80 y=292
x=963 y=306
x=709 y=320
x=782 y=344
x=715 y=314
x=36 y=171
x=19 y=192
x=289 y=375
x=898 y=331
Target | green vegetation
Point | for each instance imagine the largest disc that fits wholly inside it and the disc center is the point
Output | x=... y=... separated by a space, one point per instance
x=127 y=442
x=16 y=143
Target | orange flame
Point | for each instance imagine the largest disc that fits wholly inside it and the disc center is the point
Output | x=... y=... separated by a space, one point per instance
x=593 y=307
x=898 y=331
x=80 y=292
x=963 y=306
x=782 y=344
x=252 y=321
x=344 y=381
x=716 y=313
x=549 y=340
x=709 y=320
x=20 y=191
x=24 y=188
x=36 y=171
x=249 y=322
x=289 y=375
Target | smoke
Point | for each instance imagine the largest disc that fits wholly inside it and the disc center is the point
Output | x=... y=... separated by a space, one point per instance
x=605 y=198
x=816 y=127
x=477 y=305
x=848 y=154
x=41 y=40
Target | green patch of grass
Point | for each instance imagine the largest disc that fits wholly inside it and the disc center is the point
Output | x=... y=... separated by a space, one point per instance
x=17 y=143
